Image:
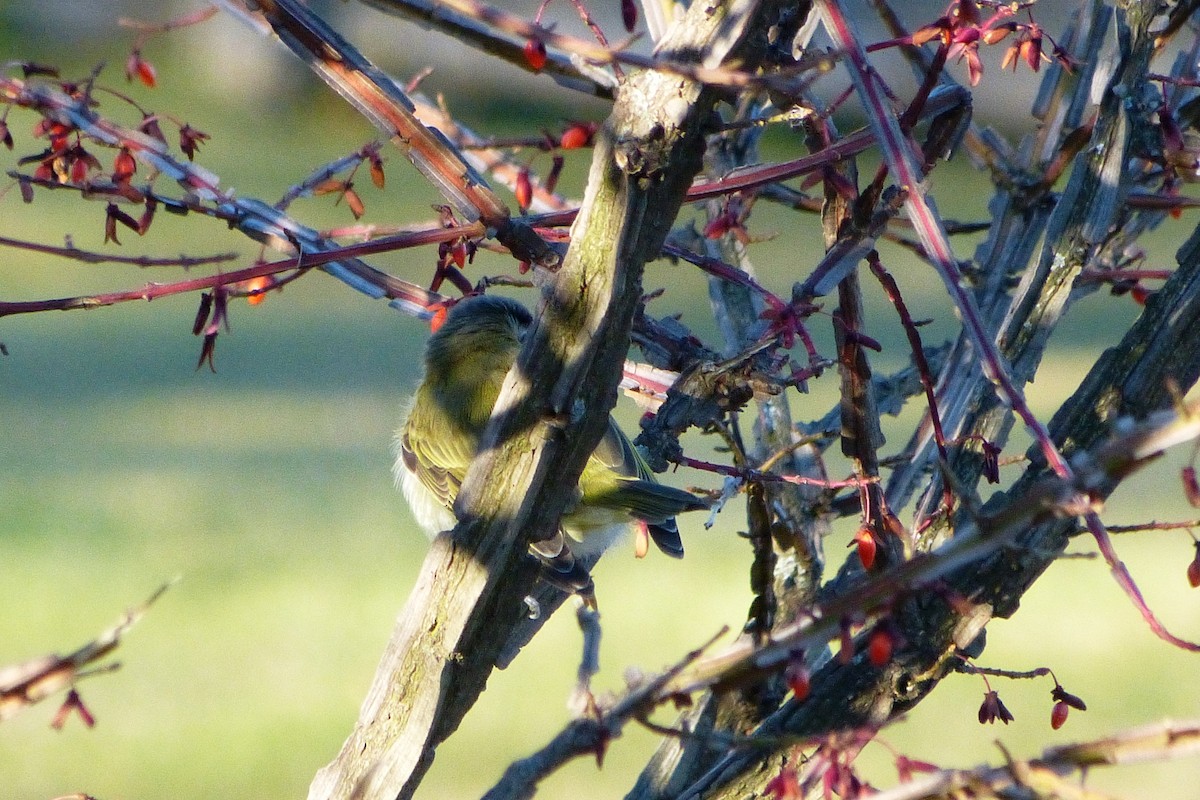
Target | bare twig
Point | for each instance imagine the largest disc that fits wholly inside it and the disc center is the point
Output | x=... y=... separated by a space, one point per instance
x=22 y=685
x=91 y=257
x=1051 y=772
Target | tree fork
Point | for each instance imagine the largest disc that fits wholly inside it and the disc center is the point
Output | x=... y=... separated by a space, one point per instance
x=545 y=424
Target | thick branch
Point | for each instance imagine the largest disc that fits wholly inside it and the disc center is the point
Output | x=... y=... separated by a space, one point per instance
x=550 y=415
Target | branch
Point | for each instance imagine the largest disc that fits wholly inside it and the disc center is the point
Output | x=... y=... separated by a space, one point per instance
x=202 y=192
x=472 y=29
x=1044 y=777
x=410 y=296
x=588 y=735
x=22 y=685
x=381 y=100
x=905 y=166
x=89 y=257
x=456 y=13
x=549 y=416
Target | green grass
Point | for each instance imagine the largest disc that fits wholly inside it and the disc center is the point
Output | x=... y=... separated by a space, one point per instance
x=266 y=488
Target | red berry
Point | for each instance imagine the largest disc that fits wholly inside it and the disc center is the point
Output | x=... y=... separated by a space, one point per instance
x=879 y=647
x=865 y=540
x=535 y=54
x=523 y=190
x=1058 y=714
x=575 y=136
x=798 y=679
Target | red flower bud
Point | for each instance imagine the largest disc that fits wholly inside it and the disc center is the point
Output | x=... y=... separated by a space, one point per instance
x=865 y=540
x=535 y=54
x=798 y=678
x=1058 y=714
x=577 y=134
x=523 y=190
x=879 y=646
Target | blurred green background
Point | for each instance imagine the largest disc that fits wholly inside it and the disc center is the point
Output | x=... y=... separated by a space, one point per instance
x=266 y=486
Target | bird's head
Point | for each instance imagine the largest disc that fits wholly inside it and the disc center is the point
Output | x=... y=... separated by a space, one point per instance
x=480 y=337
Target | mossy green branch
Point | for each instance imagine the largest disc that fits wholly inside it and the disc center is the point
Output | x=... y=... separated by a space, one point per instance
x=550 y=415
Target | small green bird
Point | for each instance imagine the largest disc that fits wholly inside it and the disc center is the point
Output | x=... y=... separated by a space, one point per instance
x=466 y=361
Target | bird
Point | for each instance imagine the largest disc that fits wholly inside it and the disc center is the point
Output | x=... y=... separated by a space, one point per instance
x=465 y=363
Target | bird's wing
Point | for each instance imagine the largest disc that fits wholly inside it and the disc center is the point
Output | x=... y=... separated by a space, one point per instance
x=618 y=454
x=439 y=470
x=618 y=477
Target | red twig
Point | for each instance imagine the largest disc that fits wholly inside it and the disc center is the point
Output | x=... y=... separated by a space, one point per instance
x=395 y=288
x=892 y=291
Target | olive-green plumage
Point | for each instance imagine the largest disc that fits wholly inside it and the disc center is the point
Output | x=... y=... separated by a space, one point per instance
x=466 y=361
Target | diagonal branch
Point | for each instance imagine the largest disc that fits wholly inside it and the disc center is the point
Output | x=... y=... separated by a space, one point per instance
x=381 y=100
x=550 y=414
x=22 y=685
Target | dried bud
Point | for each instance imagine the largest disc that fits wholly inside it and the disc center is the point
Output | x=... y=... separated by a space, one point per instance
x=999 y=33
x=124 y=166
x=140 y=68
x=1191 y=487
x=797 y=677
x=1031 y=50
x=556 y=167
x=993 y=709
x=1061 y=695
x=974 y=66
x=939 y=27
x=354 y=202
x=1011 y=56
x=190 y=140
x=73 y=702
x=79 y=170
x=376 y=167
x=629 y=14
x=991 y=462
x=641 y=539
